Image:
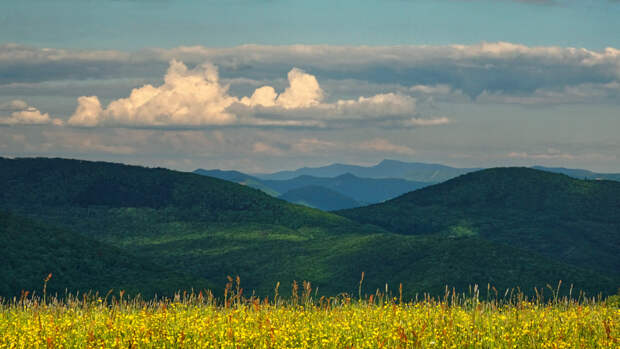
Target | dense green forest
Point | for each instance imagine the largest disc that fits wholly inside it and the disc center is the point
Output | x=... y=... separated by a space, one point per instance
x=30 y=251
x=195 y=230
x=569 y=220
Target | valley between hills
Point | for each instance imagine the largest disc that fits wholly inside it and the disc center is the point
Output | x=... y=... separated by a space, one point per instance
x=98 y=226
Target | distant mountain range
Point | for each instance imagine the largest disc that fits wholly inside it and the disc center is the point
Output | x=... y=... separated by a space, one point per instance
x=413 y=171
x=101 y=225
x=352 y=190
x=360 y=185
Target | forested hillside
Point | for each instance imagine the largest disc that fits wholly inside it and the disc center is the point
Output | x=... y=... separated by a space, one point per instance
x=30 y=251
x=207 y=229
x=569 y=220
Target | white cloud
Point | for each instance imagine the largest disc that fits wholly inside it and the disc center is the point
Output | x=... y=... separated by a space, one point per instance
x=386 y=104
x=20 y=113
x=195 y=97
x=187 y=97
x=304 y=91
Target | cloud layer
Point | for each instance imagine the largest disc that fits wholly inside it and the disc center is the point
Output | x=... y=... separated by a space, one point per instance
x=196 y=97
x=499 y=67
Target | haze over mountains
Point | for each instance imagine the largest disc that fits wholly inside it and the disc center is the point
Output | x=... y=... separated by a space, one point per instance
x=343 y=191
x=413 y=171
x=361 y=185
x=151 y=229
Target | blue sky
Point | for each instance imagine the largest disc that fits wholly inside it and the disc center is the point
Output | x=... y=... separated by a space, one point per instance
x=268 y=85
x=134 y=24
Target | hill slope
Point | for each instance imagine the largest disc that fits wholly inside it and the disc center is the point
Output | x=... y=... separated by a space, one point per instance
x=31 y=250
x=209 y=228
x=569 y=220
x=73 y=189
x=319 y=197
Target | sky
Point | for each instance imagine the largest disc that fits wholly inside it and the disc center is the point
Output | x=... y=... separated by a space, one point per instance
x=266 y=85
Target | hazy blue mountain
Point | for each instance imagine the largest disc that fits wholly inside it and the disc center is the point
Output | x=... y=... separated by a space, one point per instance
x=414 y=171
x=362 y=190
x=579 y=173
x=319 y=197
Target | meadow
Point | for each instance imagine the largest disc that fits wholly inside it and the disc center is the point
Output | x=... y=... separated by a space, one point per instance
x=304 y=320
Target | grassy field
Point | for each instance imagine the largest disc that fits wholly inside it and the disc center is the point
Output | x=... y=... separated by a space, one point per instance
x=302 y=320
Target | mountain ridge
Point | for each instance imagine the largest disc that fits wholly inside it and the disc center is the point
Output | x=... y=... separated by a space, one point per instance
x=361 y=190
x=414 y=171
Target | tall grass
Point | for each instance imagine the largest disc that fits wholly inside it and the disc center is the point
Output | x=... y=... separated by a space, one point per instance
x=496 y=319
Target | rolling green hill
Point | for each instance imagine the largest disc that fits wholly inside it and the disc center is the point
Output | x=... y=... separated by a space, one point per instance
x=566 y=219
x=77 y=193
x=209 y=228
x=30 y=251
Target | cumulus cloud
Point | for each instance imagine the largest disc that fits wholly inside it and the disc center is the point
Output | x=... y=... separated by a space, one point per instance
x=196 y=97
x=20 y=113
x=187 y=97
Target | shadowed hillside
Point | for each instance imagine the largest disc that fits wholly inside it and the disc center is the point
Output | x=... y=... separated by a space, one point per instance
x=569 y=220
x=31 y=250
